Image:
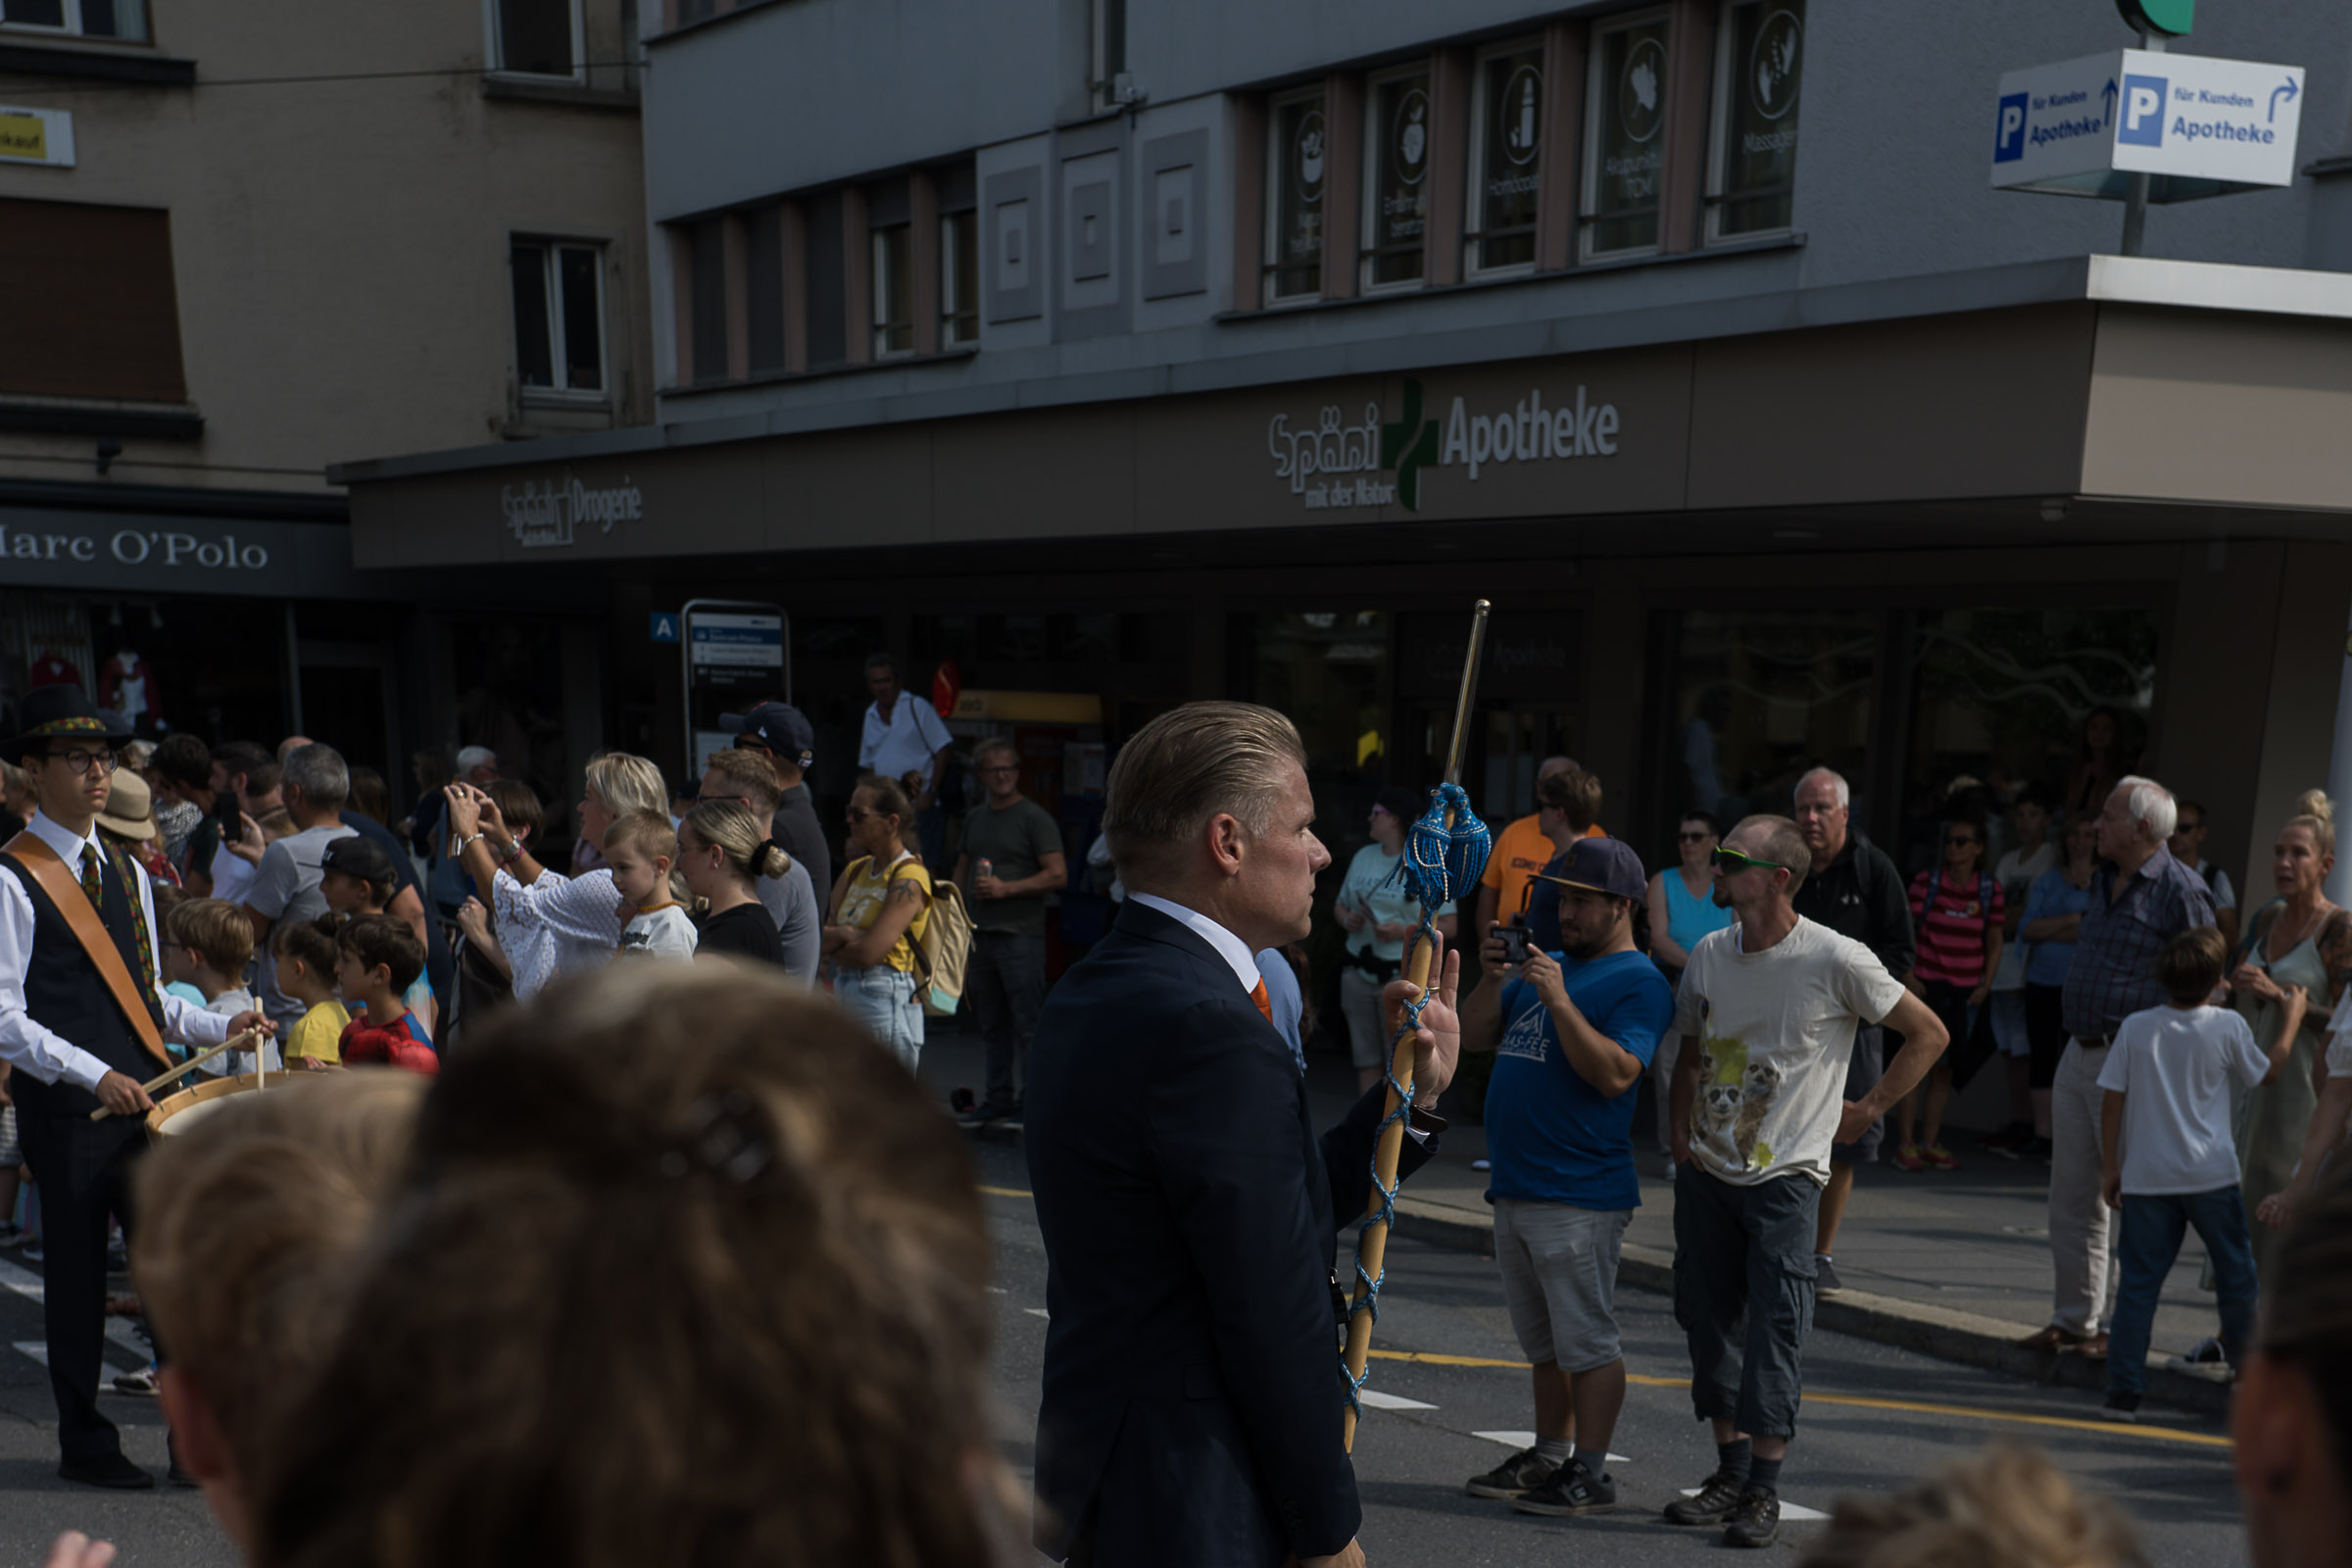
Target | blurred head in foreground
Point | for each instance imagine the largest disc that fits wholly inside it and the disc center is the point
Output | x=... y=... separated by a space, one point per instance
x=2293 y=1416
x=250 y=1222
x=687 y=1270
x=2005 y=1507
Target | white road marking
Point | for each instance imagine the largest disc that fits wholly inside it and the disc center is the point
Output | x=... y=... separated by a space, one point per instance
x=27 y=1284
x=1037 y=1311
x=1527 y=1439
x=995 y=1290
x=1791 y=1513
x=1391 y=1401
x=38 y=1350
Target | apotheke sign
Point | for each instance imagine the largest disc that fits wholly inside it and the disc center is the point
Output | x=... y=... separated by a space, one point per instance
x=549 y=514
x=1327 y=465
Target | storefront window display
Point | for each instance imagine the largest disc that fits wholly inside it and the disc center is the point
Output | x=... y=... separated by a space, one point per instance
x=1761 y=696
x=1625 y=136
x=2003 y=699
x=1294 y=159
x=1759 y=67
x=1396 y=198
x=1507 y=150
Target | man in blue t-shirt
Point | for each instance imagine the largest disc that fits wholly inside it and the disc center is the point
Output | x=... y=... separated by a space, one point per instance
x=1574 y=1031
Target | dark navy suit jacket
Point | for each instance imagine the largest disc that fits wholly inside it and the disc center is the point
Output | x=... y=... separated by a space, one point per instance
x=1193 y=1394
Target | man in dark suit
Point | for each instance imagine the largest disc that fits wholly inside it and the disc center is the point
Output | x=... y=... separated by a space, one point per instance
x=1193 y=1393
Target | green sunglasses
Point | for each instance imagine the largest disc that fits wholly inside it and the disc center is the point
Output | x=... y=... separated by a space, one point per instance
x=1732 y=862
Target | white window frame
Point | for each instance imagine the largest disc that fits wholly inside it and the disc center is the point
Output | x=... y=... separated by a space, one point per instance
x=1719 y=130
x=1588 y=180
x=558 y=356
x=948 y=279
x=1474 y=195
x=492 y=43
x=877 y=251
x=1367 y=198
x=1277 y=159
x=71 y=27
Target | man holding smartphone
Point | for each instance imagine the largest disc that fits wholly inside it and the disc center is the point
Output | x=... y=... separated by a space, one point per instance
x=1574 y=1031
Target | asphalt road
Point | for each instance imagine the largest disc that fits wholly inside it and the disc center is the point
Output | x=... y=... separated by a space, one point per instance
x=1874 y=1418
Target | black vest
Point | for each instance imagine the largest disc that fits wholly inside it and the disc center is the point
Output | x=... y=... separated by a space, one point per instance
x=64 y=994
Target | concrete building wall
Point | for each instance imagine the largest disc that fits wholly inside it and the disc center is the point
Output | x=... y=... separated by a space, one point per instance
x=340 y=245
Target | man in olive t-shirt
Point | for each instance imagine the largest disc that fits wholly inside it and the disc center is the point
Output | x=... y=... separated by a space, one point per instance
x=1017 y=842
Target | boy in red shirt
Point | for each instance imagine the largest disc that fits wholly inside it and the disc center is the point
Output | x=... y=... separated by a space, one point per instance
x=376 y=958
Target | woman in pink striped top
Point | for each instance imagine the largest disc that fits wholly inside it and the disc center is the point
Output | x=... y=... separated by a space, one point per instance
x=1956 y=910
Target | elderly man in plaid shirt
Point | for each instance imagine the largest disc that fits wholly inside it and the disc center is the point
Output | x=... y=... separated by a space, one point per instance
x=2140 y=898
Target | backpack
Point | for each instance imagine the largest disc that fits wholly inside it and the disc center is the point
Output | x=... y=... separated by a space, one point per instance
x=945 y=951
x=1983 y=892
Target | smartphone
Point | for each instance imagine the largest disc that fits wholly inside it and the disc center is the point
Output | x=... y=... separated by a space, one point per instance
x=1514 y=942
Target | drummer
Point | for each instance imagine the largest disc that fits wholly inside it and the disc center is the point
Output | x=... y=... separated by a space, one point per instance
x=82 y=1023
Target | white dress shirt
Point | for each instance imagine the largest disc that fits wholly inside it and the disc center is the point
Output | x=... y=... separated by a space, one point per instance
x=904 y=743
x=1236 y=953
x=557 y=926
x=28 y=1045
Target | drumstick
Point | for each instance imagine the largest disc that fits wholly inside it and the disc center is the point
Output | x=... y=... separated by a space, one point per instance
x=158 y=1082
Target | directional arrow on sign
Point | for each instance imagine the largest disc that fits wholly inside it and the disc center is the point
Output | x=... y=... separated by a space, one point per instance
x=2285 y=89
x=2108 y=93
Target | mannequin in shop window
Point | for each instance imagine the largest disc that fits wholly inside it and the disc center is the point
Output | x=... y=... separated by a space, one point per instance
x=127 y=687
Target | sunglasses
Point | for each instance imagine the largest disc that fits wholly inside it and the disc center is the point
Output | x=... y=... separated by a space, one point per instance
x=1968 y=840
x=1695 y=838
x=1732 y=862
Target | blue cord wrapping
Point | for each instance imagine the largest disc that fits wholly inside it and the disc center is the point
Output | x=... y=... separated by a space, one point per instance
x=1439 y=864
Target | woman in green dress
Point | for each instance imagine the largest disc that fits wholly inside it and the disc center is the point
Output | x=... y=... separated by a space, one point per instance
x=2300 y=938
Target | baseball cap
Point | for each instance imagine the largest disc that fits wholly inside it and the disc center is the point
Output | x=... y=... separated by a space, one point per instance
x=359 y=855
x=1600 y=865
x=780 y=726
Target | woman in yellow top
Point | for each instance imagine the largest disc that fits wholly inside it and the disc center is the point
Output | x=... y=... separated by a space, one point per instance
x=880 y=906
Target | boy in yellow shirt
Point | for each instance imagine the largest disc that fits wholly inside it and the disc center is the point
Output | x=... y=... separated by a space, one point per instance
x=305 y=972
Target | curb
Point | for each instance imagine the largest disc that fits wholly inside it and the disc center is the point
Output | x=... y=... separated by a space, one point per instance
x=1968 y=1337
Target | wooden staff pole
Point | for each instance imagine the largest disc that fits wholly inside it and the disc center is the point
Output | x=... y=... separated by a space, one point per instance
x=1372 y=1242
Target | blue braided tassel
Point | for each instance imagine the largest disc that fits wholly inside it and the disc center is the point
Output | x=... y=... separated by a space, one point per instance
x=1439 y=864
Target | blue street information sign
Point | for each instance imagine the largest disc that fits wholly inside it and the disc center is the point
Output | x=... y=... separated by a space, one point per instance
x=666 y=625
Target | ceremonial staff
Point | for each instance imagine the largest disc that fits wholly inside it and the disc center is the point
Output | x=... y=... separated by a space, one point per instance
x=1444 y=853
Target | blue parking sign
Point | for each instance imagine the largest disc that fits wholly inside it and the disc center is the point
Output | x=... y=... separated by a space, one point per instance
x=2009 y=137
x=2144 y=109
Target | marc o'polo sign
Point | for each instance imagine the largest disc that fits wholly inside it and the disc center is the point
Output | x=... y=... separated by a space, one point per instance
x=175 y=555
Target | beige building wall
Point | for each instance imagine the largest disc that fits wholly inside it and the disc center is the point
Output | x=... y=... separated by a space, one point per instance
x=343 y=182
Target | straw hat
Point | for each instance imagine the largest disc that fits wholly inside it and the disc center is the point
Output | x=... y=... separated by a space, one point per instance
x=129 y=808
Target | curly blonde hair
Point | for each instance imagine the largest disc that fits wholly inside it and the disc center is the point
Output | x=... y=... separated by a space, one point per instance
x=2006 y=1508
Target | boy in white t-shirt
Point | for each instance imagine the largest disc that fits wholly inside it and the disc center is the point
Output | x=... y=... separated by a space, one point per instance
x=2170 y=1161
x=639 y=851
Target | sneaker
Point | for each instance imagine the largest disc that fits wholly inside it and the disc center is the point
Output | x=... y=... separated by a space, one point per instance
x=1711 y=1504
x=1482 y=1165
x=2121 y=1407
x=1522 y=1473
x=982 y=1114
x=1825 y=1276
x=140 y=1382
x=1573 y=1489
x=1755 y=1521
x=1937 y=1157
x=33 y=1253
x=1907 y=1159
x=2204 y=1353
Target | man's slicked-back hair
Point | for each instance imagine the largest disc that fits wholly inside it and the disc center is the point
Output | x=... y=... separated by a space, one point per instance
x=1186 y=766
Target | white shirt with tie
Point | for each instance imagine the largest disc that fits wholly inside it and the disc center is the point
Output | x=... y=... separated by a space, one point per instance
x=29 y=1046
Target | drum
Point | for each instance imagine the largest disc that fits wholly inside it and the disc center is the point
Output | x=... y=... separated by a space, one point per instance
x=176 y=1113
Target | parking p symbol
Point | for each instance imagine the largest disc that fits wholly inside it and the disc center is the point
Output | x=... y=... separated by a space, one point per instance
x=2144 y=111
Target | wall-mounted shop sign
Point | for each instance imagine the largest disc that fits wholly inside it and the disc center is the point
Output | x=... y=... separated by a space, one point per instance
x=1335 y=463
x=2199 y=125
x=172 y=549
x=37 y=137
x=548 y=514
x=130 y=551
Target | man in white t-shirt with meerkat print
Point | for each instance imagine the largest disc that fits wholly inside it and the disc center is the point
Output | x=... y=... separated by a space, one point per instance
x=1771 y=1004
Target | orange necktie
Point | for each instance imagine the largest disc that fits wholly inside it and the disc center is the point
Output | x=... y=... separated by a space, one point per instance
x=1266 y=1003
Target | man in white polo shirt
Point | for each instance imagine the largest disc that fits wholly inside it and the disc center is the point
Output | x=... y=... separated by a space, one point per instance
x=906 y=740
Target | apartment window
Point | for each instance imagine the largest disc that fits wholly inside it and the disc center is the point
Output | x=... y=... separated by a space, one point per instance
x=958 y=278
x=1625 y=135
x=1752 y=171
x=894 y=290
x=706 y=299
x=121 y=20
x=558 y=317
x=1295 y=167
x=107 y=325
x=1396 y=177
x=1505 y=156
x=1110 y=51
x=764 y=289
x=536 y=38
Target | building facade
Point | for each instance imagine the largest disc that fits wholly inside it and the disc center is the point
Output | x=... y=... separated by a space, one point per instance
x=241 y=241
x=1139 y=352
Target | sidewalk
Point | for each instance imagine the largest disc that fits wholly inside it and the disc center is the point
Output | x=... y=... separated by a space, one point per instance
x=1954 y=1264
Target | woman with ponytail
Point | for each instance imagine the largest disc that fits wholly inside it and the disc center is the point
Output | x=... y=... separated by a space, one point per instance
x=723 y=850
x=2301 y=940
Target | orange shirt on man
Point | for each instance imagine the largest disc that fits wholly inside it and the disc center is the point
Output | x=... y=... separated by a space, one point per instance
x=1520 y=852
